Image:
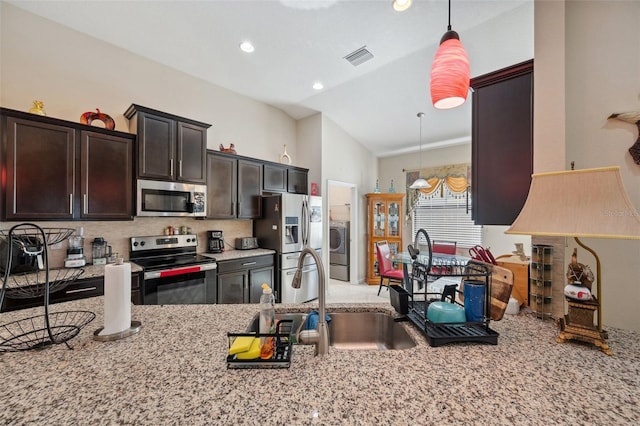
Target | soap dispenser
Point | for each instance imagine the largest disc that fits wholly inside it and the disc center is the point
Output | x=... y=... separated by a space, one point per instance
x=267 y=321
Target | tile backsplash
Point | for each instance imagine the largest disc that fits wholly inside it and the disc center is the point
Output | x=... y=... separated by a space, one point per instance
x=117 y=233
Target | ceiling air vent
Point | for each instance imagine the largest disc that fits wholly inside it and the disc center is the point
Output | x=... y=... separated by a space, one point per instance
x=359 y=56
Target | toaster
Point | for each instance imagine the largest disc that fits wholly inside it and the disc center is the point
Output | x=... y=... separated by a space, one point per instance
x=246 y=243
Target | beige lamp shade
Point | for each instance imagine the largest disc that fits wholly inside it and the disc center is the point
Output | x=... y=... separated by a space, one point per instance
x=578 y=203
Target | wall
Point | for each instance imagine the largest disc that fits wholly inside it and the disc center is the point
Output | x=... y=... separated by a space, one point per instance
x=73 y=73
x=588 y=56
x=346 y=160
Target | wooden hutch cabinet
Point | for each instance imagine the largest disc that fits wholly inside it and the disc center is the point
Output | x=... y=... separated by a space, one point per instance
x=385 y=213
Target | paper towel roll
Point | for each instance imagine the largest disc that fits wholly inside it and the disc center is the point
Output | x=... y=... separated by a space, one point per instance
x=117 y=298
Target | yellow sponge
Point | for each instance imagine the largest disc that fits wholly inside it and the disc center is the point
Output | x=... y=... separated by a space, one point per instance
x=253 y=352
x=241 y=344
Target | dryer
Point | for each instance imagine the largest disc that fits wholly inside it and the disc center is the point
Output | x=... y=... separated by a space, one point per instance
x=339 y=242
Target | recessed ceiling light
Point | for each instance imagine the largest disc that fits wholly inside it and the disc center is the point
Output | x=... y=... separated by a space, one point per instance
x=318 y=86
x=246 y=46
x=401 y=5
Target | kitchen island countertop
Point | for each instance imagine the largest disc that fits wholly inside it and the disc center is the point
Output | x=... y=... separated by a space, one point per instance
x=174 y=372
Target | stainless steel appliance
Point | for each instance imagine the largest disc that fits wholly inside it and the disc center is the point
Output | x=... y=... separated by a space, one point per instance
x=289 y=223
x=161 y=198
x=75 y=252
x=215 y=242
x=246 y=243
x=339 y=250
x=173 y=272
x=26 y=255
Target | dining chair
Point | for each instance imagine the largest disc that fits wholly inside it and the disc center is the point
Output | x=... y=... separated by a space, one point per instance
x=385 y=266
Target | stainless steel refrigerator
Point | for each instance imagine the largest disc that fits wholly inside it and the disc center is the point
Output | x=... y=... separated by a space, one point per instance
x=289 y=223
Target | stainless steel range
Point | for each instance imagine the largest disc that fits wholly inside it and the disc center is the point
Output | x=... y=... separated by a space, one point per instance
x=173 y=272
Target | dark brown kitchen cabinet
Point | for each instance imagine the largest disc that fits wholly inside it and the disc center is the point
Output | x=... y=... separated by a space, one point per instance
x=106 y=170
x=240 y=280
x=234 y=186
x=280 y=178
x=502 y=143
x=169 y=147
x=297 y=181
x=60 y=170
x=78 y=289
x=274 y=177
x=249 y=189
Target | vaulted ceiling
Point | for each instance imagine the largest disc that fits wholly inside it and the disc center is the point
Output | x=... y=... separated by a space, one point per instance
x=300 y=42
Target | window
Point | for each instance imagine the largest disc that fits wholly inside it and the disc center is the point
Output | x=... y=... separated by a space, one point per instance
x=444 y=216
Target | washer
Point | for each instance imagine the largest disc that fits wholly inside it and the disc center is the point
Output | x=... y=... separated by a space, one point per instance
x=339 y=250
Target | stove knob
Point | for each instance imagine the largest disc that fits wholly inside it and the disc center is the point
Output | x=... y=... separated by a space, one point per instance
x=188 y=240
x=142 y=243
x=135 y=244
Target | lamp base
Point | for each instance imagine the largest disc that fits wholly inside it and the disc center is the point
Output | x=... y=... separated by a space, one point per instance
x=578 y=325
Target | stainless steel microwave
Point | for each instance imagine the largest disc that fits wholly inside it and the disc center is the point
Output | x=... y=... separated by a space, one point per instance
x=161 y=198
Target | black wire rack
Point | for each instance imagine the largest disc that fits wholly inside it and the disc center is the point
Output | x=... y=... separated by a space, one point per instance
x=50 y=327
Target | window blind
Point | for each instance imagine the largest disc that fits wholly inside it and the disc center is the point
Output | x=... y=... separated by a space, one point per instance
x=446 y=218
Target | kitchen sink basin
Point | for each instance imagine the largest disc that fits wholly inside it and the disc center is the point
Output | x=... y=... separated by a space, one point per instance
x=355 y=330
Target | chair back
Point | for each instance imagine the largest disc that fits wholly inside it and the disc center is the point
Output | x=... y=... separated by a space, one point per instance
x=444 y=247
x=384 y=259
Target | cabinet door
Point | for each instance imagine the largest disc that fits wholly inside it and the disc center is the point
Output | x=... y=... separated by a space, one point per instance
x=156 y=146
x=221 y=186
x=257 y=277
x=502 y=144
x=40 y=170
x=249 y=189
x=297 y=181
x=394 y=222
x=106 y=182
x=192 y=149
x=232 y=287
x=275 y=178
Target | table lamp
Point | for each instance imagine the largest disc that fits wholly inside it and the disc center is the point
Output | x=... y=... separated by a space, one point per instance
x=590 y=203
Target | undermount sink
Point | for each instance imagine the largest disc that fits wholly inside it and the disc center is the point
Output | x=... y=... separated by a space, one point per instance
x=355 y=330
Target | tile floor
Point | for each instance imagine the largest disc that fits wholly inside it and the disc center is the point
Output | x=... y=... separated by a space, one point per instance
x=344 y=292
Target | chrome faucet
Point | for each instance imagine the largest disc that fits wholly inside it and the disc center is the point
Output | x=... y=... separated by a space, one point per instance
x=320 y=336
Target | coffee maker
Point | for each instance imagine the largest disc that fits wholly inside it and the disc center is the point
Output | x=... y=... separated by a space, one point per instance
x=75 y=252
x=215 y=242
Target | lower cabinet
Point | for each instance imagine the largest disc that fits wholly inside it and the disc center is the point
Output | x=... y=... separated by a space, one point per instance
x=240 y=280
x=79 y=289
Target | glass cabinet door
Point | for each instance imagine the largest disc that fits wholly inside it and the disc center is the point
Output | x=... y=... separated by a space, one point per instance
x=394 y=219
x=379 y=218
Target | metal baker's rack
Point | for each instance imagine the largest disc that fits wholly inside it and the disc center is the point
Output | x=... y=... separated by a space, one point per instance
x=49 y=327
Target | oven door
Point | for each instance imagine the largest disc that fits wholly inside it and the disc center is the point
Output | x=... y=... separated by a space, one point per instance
x=180 y=286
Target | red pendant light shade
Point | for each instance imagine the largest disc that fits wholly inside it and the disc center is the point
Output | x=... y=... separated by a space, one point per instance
x=450 y=72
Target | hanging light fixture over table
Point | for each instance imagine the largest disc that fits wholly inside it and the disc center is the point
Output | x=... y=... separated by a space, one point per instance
x=450 y=71
x=420 y=183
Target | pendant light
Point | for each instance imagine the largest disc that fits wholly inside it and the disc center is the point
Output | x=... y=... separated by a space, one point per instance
x=420 y=183
x=450 y=71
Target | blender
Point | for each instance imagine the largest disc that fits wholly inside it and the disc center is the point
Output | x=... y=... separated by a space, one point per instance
x=75 y=253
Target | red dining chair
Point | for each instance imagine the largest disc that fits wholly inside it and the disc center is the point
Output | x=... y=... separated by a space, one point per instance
x=385 y=266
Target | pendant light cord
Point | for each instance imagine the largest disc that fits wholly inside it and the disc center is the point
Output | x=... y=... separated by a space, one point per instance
x=449 y=25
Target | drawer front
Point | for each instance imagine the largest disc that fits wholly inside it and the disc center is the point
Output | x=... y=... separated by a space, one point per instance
x=244 y=263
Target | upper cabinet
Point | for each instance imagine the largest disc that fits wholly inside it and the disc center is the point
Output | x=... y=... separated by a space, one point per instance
x=502 y=143
x=169 y=147
x=281 y=178
x=234 y=186
x=59 y=170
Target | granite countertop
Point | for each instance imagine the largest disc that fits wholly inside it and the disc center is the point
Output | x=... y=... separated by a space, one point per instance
x=174 y=372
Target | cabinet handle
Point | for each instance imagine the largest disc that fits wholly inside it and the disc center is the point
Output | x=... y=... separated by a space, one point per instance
x=86 y=203
x=180 y=166
x=81 y=290
x=248 y=263
x=71 y=204
x=171 y=166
